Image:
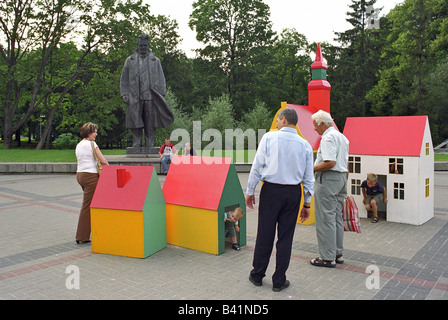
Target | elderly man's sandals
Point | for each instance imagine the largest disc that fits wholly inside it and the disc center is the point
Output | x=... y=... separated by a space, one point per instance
x=318 y=262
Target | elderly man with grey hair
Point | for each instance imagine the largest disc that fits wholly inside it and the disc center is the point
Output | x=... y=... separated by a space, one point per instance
x=330 y=190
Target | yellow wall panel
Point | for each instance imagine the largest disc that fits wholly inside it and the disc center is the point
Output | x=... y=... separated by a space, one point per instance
x=192 y=228
x=117 y=232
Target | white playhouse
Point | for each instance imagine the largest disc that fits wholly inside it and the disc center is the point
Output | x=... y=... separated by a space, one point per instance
x=400 y=151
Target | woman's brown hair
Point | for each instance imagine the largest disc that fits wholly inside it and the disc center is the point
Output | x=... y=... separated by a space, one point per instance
x=87 y=128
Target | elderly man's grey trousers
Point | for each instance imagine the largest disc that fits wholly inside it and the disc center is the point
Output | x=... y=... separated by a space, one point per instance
x=330 y=190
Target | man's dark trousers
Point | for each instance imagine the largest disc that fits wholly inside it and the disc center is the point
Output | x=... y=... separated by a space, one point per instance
x=278 y=209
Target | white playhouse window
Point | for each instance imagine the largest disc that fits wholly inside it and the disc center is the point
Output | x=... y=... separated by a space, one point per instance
x=356 y=186
x=354 y=164
x=396 y=165
x=399 y=190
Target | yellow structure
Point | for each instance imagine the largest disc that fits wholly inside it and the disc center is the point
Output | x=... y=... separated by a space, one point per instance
x=117 y=232
x=193 y=228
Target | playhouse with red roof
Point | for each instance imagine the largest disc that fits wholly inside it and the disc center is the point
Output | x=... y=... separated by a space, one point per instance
x=128 y=212
x=198 y=190
x=400 y=151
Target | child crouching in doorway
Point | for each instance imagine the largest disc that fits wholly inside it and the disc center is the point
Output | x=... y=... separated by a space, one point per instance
x=373 y=192
x=231 y=219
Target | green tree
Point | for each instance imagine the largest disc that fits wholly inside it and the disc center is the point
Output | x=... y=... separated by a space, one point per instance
x=413 y=61
x=219 y=114
x=27 y=26
x=43 y=27
x=234 y=33
x=182 y=120
x=289 y=71
x=258 y=118
x=208 y=81
x=95 y=99
x=357 y=63
x=165 y=40
x=436 y=101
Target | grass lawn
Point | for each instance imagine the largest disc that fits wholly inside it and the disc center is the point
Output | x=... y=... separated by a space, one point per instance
x=441 y=157
x=29 y=155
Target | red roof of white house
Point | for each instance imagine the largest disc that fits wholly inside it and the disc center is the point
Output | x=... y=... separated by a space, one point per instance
x=388 y=136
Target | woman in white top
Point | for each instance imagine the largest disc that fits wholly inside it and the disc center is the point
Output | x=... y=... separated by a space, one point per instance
x=87 y=176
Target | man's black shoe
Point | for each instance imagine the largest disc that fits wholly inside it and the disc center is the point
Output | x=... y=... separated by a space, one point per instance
x=286 y=285
x=255 y=283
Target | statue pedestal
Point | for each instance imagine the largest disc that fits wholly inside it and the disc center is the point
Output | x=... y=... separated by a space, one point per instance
x=142 y=152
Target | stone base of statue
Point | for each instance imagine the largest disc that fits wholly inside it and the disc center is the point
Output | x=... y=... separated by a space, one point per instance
x=141 y=152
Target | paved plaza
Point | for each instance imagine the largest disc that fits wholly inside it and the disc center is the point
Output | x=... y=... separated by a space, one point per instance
x=39 y=258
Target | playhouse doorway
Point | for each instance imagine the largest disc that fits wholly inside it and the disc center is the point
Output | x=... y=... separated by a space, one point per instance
x=227 y=239
x=382 y=207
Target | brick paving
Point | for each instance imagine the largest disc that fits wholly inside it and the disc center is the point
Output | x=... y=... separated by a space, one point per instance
x=38 y=218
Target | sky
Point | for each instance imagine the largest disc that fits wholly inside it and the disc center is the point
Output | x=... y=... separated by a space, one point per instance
x=316 y=19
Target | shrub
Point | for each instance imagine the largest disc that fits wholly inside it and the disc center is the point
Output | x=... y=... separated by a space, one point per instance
x=65 y=141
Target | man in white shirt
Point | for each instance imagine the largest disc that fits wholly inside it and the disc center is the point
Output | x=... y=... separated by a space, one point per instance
x=330 y=188
x=283 y=161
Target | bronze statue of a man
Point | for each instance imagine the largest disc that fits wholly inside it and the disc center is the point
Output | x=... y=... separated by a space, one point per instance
x=143 y=89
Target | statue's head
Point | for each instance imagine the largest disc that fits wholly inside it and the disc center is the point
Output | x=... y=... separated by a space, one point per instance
x=143 y=44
